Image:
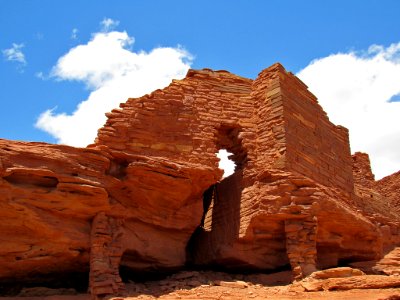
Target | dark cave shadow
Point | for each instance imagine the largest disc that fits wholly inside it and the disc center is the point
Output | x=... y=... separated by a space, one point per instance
x=220 y=222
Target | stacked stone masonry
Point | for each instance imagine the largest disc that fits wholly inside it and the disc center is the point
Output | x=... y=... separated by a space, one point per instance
x=105 y=256
x=148 y=195
x=301 y=245
x=362 y=172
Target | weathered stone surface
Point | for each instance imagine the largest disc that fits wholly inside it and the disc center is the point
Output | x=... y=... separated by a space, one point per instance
x=349 y=283
x=48 y=194
x=336 y=273
x=389 y=264
x=148 y=194
x=238 y=284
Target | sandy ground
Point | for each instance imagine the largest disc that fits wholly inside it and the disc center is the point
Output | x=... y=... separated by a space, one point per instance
x=254 y=292
x=231 y=290
x=219 y=285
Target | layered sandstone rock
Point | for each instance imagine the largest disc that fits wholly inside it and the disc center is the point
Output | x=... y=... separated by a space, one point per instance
x=48 y=196
x=53 y=198
x=148 y=196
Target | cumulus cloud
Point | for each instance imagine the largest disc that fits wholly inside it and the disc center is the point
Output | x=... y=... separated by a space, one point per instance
x=360 y=90
x=113 y=73
x=15 y=54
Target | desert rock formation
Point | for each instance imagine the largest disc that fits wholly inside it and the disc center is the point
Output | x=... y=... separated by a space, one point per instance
x=148 y=195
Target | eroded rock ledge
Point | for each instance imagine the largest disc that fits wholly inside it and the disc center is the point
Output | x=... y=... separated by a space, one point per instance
x=148 y=195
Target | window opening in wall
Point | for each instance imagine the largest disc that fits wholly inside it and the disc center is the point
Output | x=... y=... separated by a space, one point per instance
x=225 y=163
x=232 y=155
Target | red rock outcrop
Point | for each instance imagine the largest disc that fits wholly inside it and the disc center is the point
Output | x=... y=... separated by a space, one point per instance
x=64 y=205
x=48 y=196
x=148 y=194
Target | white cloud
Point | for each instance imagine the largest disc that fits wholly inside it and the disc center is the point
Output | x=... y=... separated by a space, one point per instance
x=357 y=91
x=15 y=53
x=113 y=73
x=108 y=24
x=74 y=33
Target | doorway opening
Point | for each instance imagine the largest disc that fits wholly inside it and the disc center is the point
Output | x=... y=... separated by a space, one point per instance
x=220 y=222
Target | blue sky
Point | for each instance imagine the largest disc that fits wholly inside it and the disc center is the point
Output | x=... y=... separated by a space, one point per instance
x=346 y=51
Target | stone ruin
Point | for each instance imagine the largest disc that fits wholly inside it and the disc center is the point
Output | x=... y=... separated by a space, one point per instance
x=148 y=195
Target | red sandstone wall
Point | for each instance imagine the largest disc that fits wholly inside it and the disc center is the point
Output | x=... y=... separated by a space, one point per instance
x=314 y=146
x=389 y=186
x=278 y=123
x=362 y=172
x=295 y=134
x=271 y=141
x=182 y=121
